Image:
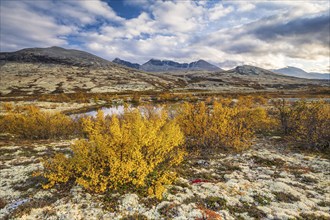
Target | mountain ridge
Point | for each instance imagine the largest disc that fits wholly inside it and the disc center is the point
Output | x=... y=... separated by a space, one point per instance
x=55 y=55
x=157 y=65
x=126 y=63
x=297 y=72
x=252 y=70
x=58 y=70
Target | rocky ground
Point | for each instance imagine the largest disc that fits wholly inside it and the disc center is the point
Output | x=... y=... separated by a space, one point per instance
x=269 y=181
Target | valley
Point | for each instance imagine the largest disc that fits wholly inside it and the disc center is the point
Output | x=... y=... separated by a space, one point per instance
x=237 y=168
x=56 y=70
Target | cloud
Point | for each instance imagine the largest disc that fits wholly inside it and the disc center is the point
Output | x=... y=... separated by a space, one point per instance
x=268 y=34
x=49 y=23
x=180 y=16
x=99 y=8
x=20 y=28
x=218 y=11
x=314 y=28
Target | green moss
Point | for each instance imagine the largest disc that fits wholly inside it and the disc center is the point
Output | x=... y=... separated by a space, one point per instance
x=149 y=202
x=267 y=162
x=261 y=200
x=182 y=184
x=312 y=216
x=135 y=217
x=285 y=197
x=228 y=168
x=26 y=208
x=195 y=199
x=169 y=211
x=308 y=180
x=3 y=203
x=173 y=190
x=246 y=207
x=324 y=203
x=215 y=203
x=110 y=202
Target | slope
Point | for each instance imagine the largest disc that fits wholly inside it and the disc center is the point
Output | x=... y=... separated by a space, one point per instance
x=56 y=70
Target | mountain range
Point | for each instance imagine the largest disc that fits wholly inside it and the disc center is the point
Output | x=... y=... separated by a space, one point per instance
x=155 y=65
x=58 y=70
x=296 y=72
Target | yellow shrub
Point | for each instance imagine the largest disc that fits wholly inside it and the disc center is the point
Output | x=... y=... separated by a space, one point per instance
x=57 y=170
x=32 y=123
x=136 y=99
x=166 y=96
x=261 y=100
x=232 y=126
x=282 y=113
x=261 y=121
x=121 y=152
x=193 y=120
x=246 y=101
x=308 y=123
x=221 y=126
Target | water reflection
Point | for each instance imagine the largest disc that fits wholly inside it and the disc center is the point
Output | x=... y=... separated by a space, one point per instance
x=172 y=108
x=119 y=110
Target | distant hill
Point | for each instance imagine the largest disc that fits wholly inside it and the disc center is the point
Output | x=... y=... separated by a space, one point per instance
x=242 y=78
x=296 y=72
x=34 y=71
x=55 y=55
x=252 y=71
x=155 y=65
x=126 y=63
x=58 y=70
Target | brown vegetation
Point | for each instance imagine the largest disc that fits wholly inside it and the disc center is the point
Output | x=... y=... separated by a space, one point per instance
x=305 y=123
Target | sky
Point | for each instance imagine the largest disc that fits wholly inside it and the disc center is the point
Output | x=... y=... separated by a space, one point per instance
x=227 y=33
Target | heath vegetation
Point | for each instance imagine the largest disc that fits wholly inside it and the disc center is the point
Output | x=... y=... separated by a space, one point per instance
x=305 y=123
x=131 y=151
x=138 y=151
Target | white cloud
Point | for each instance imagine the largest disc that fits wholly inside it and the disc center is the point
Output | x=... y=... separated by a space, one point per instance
x=225 y=32
x=181 y=16
x=246 y=6
x=219 y=11
x=21 y=28
x=99 y=8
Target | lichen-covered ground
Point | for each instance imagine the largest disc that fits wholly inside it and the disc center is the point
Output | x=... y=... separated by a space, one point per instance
x=269 y=181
